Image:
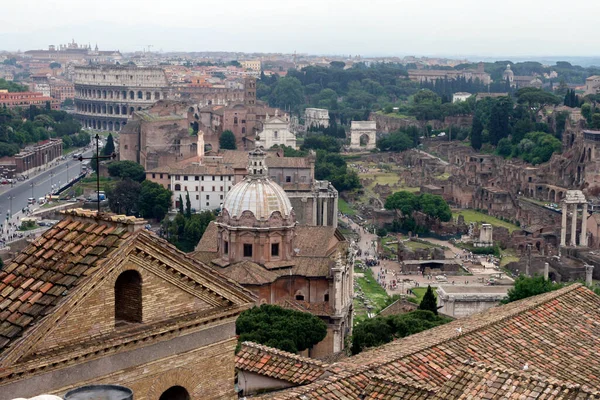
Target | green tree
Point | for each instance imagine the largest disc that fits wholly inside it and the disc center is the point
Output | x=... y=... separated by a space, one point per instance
x=476 y=131
x=530 y=286
x=180 y=204
x=376 y=331
x=403 y=201
x=109 y=148
x=55 y=65
x=124 y=197
x=127 y=170
x=288 y=93
x=395 y=141
x=154 y=201
x=284 y=329
x=435 y=206
x=429 y=301
x=227 y=140
x=185 y=233
x=188 y=205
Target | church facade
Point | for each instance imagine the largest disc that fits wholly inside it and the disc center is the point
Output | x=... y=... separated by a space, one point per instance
x=98 y=299
x=257 y=243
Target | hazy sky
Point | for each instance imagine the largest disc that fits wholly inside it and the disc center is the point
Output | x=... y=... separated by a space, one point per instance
x=367 y=27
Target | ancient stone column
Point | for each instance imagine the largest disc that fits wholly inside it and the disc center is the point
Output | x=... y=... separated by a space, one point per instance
x=546 y=271
x=573 y=241
x=335 y=211
x=563 y=227
x=325 y=212
x=314 y=210
x=583 y=234
x=589 y=269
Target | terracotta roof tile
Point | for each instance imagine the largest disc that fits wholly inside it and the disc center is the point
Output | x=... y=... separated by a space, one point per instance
x=277 y=364
x=556 y=335
x=37 y=278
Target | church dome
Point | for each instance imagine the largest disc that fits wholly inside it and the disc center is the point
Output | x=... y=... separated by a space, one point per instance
x=257 y=192
x=262 y=197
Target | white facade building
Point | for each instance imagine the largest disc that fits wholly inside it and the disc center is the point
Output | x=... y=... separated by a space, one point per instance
x=276 y=131
x=207 y=186
x=316 y=117
x=460 y=96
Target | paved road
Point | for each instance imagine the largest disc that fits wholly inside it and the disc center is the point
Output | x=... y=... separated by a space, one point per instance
x=55 y=174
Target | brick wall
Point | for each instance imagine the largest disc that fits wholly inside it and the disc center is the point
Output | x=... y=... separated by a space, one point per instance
x=206 y=373
x=94 y=315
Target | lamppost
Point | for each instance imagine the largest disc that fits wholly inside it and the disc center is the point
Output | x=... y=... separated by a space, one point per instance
x=10 y=198
x=51 y=182
x=67 y=172
x=32 y=185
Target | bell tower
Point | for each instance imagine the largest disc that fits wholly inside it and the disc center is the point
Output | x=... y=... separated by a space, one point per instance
x=250 y=91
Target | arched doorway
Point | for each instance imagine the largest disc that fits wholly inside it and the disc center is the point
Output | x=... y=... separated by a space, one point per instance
x=175 y=393
x=364 y=140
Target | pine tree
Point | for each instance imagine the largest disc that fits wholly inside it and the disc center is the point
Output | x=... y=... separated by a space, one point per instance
x=109 y=148
x=476 y=130
x=180 y=204
x=188 y=205
x=429 y=302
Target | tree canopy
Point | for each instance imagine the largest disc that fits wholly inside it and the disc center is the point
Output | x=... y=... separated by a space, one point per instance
x=154 y=201
x=530 y=286
x=284 y=329
x=127 y=170
x=185 y=232
x=227 y=140
x=376 y=331
x=432 y=205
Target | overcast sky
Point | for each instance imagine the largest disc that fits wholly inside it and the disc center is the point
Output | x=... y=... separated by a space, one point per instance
x=366 y=27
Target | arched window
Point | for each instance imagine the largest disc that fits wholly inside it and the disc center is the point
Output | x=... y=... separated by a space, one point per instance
x=235 y=120
x=128 y=297
x=326 y=297
x=177 y=186
x=299 y=296
x=243 y=129
x=140 y=95
x=175 y=393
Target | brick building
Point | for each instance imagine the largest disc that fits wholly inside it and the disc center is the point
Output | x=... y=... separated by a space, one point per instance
x=26 y=99
x=31 y=158
x=160 y=136
x=256 y=242
x=99 y=299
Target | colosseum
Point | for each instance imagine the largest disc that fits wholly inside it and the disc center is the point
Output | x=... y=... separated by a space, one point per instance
x=107 y=95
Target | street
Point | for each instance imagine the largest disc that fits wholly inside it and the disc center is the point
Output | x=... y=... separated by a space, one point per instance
x=14 y=199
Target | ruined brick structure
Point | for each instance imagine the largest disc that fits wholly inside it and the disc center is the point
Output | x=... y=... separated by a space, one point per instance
x=160 y=136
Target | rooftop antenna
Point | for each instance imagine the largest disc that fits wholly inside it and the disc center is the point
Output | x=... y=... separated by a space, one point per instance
x=98 y=157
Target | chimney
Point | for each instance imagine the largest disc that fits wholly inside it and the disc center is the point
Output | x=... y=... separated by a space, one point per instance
x=589 y=269
x=546 y=271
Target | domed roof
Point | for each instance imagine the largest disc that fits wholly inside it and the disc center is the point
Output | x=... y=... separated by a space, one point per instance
x=260 y=196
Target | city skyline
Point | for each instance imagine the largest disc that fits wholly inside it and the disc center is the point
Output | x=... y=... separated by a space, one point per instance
x=462 y=29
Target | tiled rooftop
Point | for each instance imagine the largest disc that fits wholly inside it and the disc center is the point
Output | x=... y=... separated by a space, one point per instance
x=553 y=340
x=484 y=382
x=37 y=278
x=277 y=364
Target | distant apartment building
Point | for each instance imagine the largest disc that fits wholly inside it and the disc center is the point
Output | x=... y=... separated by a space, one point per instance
x=316 y=117
x=106 y=96
x=254 y=65
x=26 y=99
x=61 y=90
x=31 y=157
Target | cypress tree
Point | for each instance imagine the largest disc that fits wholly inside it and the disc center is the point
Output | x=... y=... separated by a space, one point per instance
x=429 y=302
x=476 y=130
x=109 y=148
x=180 y=204
x=188 y=205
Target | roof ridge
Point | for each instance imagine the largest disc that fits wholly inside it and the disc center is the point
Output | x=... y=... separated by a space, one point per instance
x=519 y=307
x=282 y=353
